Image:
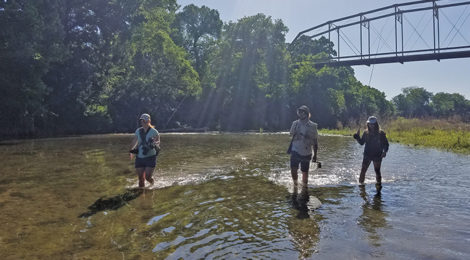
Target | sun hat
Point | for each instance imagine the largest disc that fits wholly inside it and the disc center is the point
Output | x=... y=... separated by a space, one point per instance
x=304 y=108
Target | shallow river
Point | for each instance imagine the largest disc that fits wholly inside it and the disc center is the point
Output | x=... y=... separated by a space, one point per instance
x=229 y=196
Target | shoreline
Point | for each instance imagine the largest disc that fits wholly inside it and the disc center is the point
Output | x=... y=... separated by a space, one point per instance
x=436 y=133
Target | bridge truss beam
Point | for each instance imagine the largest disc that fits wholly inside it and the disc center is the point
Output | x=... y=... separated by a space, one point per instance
x=400 y=54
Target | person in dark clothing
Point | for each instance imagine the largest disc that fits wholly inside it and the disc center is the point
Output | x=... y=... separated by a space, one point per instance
x=376 y=148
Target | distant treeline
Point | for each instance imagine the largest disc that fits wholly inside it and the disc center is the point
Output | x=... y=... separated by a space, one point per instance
x=93 y=66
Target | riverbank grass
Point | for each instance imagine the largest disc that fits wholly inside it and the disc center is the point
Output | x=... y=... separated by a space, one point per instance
x=441 y=134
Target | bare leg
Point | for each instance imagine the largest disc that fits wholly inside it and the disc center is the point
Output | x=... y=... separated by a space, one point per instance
x=293 y=172
x=305 y=178
x=294 y=197
x=365 y=166
x=148 y=174
x=304 y=196
x=378 y=174
x=363 y=193
x=141 y=176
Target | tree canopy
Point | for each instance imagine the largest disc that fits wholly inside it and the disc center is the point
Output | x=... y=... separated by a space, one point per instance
x=81 y=66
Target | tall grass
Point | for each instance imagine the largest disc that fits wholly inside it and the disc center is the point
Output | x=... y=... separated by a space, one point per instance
x=443 y=134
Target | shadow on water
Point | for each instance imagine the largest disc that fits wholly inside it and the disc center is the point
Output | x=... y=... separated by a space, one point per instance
x=332 y=194
x=303 y=203
x=112 y=203
x=304 y=229
x=373 y=216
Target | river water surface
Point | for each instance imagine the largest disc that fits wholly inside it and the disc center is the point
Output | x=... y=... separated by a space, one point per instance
x=229 y=196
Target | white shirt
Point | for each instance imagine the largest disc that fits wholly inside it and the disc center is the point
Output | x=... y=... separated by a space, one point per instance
x=305 y=136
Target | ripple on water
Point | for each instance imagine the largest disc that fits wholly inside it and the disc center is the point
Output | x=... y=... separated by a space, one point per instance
x=163 y=179
x=168 y=229
x=156 y=219
x=231 y=196
x=231 y=243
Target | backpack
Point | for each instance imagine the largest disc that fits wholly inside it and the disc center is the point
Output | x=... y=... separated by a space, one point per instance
x=145 y=145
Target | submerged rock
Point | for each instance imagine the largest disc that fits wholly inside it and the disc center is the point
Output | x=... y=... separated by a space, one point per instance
x=112 y=203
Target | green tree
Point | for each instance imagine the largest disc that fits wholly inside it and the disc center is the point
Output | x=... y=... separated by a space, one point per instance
x=198 y=27
x=79 y=81
x=305 y=46
x=334 y=94
x=446 y=105
x=31 y=39
x=198 y=31
x=413 y=102
x=252 y=73
x=154 y=75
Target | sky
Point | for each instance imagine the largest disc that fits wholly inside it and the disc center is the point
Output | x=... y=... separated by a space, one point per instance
x=451 y=76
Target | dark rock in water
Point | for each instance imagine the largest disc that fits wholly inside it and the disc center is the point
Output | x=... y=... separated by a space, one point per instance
x=112 y=203
x=304 y=203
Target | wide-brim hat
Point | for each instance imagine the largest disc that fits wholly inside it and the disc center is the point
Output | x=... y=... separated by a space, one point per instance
x=304 y=108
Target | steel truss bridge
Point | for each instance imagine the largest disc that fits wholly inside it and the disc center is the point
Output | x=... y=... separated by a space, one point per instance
x=413 y=31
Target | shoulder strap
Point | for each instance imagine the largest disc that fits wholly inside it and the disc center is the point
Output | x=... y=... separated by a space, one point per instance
x=143 y=135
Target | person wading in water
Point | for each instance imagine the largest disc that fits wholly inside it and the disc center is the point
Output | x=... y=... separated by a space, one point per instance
x=304 y=137
x=375 y=150
x=145 y=145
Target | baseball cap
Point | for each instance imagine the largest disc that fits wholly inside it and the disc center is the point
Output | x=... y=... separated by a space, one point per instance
x=145 y=117
x=372 y=120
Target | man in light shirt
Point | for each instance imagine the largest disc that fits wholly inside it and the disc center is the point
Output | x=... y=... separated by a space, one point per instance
x=304 y=137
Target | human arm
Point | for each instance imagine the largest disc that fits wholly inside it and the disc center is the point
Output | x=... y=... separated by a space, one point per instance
x=315 y=144
x=357 y=134
x=154 y=142
x=293 y=128
x=133 y=146
x=385 y=144
x=315 y=149
x=359 y=139
x=157 y=140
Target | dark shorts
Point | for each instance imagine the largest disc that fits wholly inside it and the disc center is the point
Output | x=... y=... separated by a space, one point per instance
x=367 y=159
x=304 y=161
x=146 y=162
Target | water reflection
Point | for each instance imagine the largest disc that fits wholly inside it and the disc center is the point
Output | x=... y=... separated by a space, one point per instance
x=228 y=196
x=299 y=202
x=303 y=202
x=303 y=229
x=112 y=203
x=373 y=216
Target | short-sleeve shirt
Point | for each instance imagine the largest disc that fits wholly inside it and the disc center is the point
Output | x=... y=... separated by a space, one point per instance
x=151 y=133
x=305 y=135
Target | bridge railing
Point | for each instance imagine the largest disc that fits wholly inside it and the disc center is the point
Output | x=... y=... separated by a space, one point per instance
x=355 y=31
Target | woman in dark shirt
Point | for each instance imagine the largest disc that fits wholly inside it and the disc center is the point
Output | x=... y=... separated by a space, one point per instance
x=376 y=148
